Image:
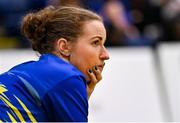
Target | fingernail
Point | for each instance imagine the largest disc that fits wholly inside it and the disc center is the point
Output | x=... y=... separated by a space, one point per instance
x=90 y=71
x=88 y=82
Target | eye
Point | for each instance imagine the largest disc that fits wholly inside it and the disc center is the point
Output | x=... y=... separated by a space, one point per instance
x=96 y=43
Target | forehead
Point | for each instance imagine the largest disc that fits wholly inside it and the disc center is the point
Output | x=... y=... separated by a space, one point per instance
x=94 y=28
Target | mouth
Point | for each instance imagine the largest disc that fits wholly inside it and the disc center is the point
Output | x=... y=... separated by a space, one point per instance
x=100 y=67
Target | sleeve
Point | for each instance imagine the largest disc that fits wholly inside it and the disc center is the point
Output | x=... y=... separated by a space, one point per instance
x=67 y=101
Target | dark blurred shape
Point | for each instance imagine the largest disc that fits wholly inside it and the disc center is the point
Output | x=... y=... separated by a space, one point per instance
x=65 y=2
x=171 y=16
x=157 y=19
x=128 y=22
x=11 y=12
x=119 y=24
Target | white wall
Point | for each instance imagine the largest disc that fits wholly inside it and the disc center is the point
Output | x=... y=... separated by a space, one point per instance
x=169 y=55
x=135 y=86
x=10 y=58
x=129 y=90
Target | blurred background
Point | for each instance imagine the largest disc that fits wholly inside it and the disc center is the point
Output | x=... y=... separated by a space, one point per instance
x=141 y=80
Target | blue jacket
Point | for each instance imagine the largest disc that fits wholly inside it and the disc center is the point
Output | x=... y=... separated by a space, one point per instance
x=49 y=89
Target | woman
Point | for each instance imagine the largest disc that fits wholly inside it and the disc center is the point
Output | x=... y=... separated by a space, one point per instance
x=58 y=85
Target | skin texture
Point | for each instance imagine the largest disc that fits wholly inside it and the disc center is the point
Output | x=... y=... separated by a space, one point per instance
x=88 y=53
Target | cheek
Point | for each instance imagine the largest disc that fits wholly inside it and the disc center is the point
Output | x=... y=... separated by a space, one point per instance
x=84 y=59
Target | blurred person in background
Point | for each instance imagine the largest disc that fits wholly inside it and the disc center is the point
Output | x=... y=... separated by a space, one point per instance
x=121 y=30
x=147 y=18
x=157 y=19
x=128 y=22
x=171 y=16
x=57 y=86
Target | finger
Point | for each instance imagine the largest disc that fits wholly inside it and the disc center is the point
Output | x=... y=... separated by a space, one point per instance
x=97 y=73
x=93 y=79
x=92 y=76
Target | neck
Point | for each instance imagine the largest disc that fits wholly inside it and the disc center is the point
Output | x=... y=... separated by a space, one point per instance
x=65 y=58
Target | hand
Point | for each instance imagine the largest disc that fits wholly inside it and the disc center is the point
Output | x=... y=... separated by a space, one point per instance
x=95 y=76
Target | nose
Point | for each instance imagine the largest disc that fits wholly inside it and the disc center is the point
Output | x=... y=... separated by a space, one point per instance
x=104 y=54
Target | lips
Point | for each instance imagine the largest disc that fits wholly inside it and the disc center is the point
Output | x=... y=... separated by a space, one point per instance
x=100 y=67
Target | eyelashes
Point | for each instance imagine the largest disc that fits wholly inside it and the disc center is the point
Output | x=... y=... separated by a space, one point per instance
x=96 y=43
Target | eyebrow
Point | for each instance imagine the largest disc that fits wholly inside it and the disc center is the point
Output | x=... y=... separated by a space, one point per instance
x=99 y=37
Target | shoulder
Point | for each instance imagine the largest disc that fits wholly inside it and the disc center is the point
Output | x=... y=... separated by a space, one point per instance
x=72 y=90
x=57 y=69
x=72 y=87
x=72 y=83
x=68 y=99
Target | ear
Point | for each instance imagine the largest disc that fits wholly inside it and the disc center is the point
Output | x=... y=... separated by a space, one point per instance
x=63 y=46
